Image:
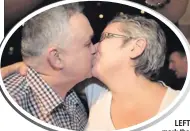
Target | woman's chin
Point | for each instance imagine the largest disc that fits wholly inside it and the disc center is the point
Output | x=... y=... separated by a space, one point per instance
x=95 y=72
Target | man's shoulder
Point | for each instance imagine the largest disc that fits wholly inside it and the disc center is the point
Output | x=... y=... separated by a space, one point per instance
x=17 y=87
x=15 y=77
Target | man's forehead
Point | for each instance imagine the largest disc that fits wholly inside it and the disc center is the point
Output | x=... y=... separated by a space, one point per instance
x=79 y=22
x=88 y=34
x=176 y=55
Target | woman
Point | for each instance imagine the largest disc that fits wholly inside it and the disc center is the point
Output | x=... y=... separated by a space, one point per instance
x=129 y=55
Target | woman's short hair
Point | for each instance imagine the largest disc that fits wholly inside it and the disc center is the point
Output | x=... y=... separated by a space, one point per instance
x=152 y=59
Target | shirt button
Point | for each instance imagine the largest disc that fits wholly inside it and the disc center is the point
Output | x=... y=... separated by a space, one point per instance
x=77 y=104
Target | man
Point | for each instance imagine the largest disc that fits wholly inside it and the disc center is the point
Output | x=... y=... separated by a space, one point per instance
x=178 y=63
x=57 y=48
x=93 y=93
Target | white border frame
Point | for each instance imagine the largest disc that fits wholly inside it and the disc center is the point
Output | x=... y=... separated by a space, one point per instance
x=142 y=125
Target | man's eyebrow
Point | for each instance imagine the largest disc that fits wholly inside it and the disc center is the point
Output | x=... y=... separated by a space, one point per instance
x=171 y=60
x=91 y=36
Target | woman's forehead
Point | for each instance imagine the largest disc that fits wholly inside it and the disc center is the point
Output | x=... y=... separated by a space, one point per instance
x=113 y=27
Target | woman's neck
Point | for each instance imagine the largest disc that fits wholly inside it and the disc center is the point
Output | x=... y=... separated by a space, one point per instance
x=132 y=88
x=134 y=100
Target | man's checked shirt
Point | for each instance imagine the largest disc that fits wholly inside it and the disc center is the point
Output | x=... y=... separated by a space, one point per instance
x=34 y=95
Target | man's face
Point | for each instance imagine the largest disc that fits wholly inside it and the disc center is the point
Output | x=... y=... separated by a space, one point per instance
x=178 y=64
x=78 y=54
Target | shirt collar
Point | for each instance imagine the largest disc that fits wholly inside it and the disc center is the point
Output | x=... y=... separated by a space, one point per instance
x=48 y=99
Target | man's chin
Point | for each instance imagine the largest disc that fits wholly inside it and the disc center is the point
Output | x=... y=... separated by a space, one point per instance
x=89 y=75
x=94 y=74
x=178 y=76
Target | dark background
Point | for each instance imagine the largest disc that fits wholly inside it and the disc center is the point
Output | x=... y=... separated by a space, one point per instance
x=92 y=10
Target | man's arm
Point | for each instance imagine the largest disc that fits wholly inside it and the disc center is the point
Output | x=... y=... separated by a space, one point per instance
x=17 y=67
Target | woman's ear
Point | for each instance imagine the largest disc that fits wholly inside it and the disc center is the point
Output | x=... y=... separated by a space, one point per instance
x=137 y=47
x=54 y=58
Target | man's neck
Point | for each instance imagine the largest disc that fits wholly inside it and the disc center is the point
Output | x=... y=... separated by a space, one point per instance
x=56 y=80
x=61 y=85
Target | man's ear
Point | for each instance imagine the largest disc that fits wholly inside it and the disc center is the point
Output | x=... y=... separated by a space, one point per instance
x=137 y=47
x=54 y=58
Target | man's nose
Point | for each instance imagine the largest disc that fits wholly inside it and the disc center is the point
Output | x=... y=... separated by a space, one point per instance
x=171 y=66
x=95 y=48
x=96 y=45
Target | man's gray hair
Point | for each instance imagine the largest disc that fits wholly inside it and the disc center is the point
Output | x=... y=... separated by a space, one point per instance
x=49 y=27
x=152 y=59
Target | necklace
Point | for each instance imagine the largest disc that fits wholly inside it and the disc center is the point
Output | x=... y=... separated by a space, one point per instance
x=156 y=4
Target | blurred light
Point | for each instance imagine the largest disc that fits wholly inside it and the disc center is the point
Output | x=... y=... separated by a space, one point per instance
x=101 y=16
x=98 y=4
x=142 y=11
x=121 y=13
x=11 y=50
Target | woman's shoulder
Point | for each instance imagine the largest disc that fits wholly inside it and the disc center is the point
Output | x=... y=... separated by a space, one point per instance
x=173 y=93
x=170 y=92
x=169 y=97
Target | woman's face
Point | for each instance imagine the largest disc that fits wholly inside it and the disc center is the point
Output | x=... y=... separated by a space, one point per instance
x=111 y=55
